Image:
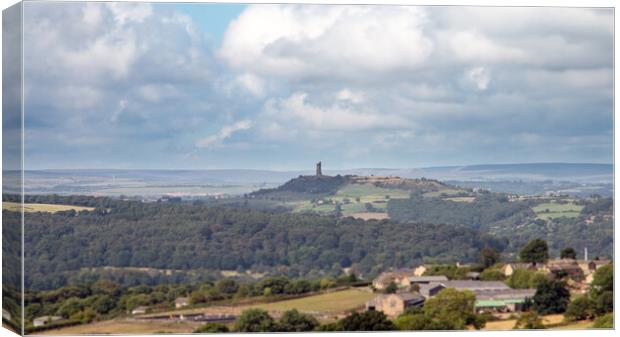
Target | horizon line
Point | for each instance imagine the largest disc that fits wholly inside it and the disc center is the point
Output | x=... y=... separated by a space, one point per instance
x=311 y=169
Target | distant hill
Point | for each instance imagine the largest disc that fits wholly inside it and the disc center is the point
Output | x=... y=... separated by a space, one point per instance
x=595 y=178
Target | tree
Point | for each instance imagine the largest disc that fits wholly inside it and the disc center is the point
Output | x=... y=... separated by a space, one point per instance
x=254 y=320
x=391 y=288
x=568 y=253
x=535 y=251
x=488 y=257
x=227 y=286
x=412 y=322
x=551 y=297
x=603 y=280
x=294 y=321
x=452 y=306
x=367 y=321
x=212 y=328
x=529 y=320
x=604 y=302
x=491 y=274
x=579 y=309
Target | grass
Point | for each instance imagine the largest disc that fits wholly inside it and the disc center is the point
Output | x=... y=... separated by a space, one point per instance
x=369 y=216
x=461 y=199
x=124 y=326
x=446 y=191
x=370 y=193
x=554 y=322
x=49 y=208
x=329 y=303
x=325 y=303
x=552 y=210
x=365 y=193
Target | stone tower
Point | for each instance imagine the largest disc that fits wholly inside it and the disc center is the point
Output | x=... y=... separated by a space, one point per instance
x=318 y=169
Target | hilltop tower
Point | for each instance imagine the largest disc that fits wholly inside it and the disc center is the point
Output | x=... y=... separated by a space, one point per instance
x=318 y=169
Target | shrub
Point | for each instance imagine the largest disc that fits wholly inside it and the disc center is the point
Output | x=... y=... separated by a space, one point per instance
x=529 y=320
x=212 y=328
x=255 y=320
x=579 y=309
x=604 y=322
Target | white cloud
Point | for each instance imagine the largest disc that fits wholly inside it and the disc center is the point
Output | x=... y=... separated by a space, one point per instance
x=326 y=41
x=296 y=109
x=225 y=132
x=348 y=95
x=479 y=76
x=125 y=12
x=252 y=83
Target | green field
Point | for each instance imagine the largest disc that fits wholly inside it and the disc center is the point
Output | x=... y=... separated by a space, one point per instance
x=366 y=193
x=50 y=208
x=553 y=210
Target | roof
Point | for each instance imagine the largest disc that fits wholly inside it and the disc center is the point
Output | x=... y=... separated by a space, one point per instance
x=474 y=284
x=404 y=296
x=438 y=278
x=409 y=297
x=495 y=303
x=504 y=294
x=45 y=318
x=425 y=288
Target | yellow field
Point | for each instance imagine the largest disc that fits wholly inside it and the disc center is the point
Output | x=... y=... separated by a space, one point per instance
x=330 y=303
x=49 y=208
x=369 y=216
x=124 y=326
x=555 y=320
x=461 y=199
x=327 y=303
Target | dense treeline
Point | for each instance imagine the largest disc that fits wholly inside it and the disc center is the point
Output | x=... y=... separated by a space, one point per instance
x=495 y=214
x=185 y=236
x=486 y=209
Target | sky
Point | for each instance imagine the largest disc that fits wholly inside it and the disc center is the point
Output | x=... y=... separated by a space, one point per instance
x=280 y=87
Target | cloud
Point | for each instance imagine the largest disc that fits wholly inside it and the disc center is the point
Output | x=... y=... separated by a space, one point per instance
x=479 y=76
x=224 y=133
x=296 y=41
x=414 y=85
x=337 y=116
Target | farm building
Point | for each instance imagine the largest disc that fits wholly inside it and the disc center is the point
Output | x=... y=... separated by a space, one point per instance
x=430 y=289
x=510 y=268
x=474 y=285
x=420 y=270
x=395 y=304
x=181 y=302
x=139 y=310
x=425 y=279
x=45 y=320
x=565 y=268
x=502 y=300
x=399 y=277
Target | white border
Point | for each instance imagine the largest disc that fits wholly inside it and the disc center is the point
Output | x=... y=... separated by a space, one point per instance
x=559 y=3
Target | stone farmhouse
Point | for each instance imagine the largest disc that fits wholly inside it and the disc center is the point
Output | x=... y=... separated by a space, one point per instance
x=395 y=304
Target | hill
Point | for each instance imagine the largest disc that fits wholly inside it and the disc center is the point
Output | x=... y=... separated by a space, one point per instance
x=358 y=196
